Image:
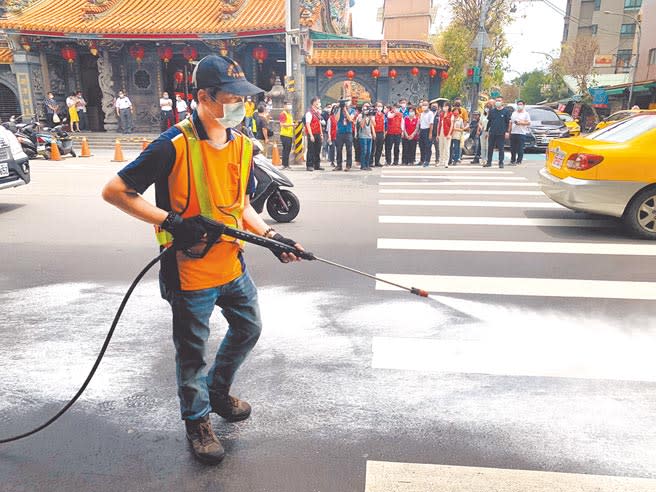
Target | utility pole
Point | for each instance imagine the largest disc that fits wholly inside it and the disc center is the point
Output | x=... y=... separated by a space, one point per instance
x=481 y=41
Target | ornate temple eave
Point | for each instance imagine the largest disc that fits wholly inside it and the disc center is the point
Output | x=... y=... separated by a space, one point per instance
x=153 y=37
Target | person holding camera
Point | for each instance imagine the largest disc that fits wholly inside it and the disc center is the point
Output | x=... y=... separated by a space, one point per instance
x=313 y=129
x=345 y=121
x=366 y=124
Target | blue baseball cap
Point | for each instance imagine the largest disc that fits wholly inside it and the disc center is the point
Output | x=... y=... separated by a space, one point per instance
x=224 y=73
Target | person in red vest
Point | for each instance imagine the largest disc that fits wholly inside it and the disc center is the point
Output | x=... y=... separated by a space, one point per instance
x=393 y=138
x=410 y=131
x=444 y=133
x=380 y=127
x=313 y=130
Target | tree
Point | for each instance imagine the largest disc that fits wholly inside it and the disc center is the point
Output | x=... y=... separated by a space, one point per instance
x=577 y=60
x=455 y=43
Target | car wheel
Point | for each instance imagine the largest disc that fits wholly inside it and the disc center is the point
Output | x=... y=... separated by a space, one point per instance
x=640 y=215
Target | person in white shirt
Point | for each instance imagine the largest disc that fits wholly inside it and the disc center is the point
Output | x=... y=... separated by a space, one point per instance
x=166 y=115
x=124 y=111
x=425 y=130
x=81 y=106
x=180 y=108
x=521 y=122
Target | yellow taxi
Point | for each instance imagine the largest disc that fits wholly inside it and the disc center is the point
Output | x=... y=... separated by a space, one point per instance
x=570 y=123
x=615 y=117
x=611 y=171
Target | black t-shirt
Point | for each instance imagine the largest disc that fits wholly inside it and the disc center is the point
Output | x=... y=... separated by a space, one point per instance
x=498 y=120
x=261 y=124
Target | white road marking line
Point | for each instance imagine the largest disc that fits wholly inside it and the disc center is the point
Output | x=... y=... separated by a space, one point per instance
x=457 y=183
x=460 y=192
x=385 y=476
x=493 y=221
x=523 y=286
x=458 y=176
x=470 y=203
x=446 y=173
x=586 y=248
x=530 y=354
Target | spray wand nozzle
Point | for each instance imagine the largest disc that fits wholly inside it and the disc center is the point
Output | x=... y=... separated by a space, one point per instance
x=216 y=229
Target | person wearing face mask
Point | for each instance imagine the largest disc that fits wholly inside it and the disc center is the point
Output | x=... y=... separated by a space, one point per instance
x=393 y=139
x=403 y=107
x=286 y=121
x=464 y=114
x=484 y=133
x=345 y=120
x=166 y=111
x=521 y=122
x=380 y=125
x=434 y=140
x=444 y=133
x=425 y=129
x=410 y=129
x=313 y=130
x=498 y=126
x=202 y=166
x=124 y=111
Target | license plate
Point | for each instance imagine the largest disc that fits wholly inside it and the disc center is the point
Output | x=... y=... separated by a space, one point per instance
x=558 y=159
x=4 y=169
x=41 y=148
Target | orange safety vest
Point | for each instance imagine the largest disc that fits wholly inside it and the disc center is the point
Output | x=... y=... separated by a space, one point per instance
x=193 y=191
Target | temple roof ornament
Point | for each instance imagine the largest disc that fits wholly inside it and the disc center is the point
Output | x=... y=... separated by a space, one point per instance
x=309 y=12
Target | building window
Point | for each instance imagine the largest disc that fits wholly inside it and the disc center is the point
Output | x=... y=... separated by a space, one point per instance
x=652 y=56
x=597 y=4
x=627 y=30
x=632 y=4
x=593 y=29
x=142 y=79
x=623 y=63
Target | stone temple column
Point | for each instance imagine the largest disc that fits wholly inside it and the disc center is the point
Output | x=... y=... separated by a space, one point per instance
x=106 y=82
x=25 y=67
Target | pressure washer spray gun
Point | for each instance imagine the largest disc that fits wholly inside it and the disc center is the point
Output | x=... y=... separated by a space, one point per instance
x=216 y=229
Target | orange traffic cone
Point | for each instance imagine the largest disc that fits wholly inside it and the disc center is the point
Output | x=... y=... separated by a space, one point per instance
x=275 y=155
x=86 y=151
x=54 y=152
x=144 y=144
x=118 y=152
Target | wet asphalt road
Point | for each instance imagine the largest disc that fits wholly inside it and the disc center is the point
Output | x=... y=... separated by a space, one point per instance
x=324 y=405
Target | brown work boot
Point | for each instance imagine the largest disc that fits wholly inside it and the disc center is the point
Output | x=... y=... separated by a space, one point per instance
x=230 y=408
x=204 y=442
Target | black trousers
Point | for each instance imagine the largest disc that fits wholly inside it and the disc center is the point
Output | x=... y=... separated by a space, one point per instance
x=286 y=149
x=409 y=150
x=314 y=152
x=379 y=145
x=84 y=121
x=436 y=143
x=424 y=145
x=166 y=120
x=344 y=139
x=357 y=150
x=496 y=141
x=392 y=142
x=516 y=147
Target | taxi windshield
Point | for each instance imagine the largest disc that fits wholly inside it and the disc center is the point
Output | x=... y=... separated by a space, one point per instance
x=625 y=130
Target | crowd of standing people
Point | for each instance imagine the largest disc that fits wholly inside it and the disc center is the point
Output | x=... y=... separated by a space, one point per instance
x=374 y=135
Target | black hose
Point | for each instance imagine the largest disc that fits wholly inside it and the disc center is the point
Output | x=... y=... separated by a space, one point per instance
x=108 y=338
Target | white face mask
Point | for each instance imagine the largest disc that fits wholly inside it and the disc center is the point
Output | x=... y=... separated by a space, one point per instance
x=233 y=114
x=520 y=107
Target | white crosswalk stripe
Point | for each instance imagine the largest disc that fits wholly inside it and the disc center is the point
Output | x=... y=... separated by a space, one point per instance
x=458 y=176
x=385 y=476
x=459 y=183
x=494 y=221
x=470 y=203
x=460 y=192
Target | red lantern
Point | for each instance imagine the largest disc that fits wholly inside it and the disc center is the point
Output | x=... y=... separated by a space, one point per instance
x=392 y=74
x=179 y=77
x=414 y=71
x=69 y=54
x=260 y=53
x=329 y=74
x=375 y=73
x=444 y=75
x=432 y=72
x=350 y=74
x=165 y=53
x=189 y=53
x=137 y=52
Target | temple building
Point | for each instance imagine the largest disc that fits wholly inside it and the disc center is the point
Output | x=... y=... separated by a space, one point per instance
x=293 y=49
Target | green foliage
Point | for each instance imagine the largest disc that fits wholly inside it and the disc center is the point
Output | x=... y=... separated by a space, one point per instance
x=454 y=42
x=533 y=85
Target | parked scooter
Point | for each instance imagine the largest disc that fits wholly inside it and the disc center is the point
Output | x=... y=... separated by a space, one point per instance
x=282 y=205
x=38 y=141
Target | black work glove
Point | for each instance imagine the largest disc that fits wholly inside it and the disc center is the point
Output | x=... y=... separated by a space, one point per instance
x=186 y=232
x=281 y=239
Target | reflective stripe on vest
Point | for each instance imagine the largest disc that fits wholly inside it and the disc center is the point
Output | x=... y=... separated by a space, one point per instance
x=201 y=189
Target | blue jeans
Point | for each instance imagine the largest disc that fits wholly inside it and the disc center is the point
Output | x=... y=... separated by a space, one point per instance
x=365 y=153
x=191 y=329
x=455 y=150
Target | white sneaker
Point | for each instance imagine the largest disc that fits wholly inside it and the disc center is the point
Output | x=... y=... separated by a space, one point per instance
x=446 y=166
